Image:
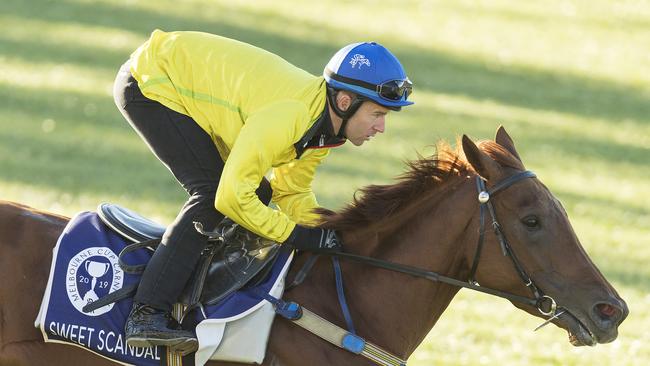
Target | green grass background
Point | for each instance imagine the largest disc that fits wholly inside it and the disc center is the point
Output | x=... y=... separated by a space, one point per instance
x=568 y=79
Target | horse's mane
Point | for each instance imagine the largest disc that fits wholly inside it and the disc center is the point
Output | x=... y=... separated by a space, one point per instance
x=425 y=175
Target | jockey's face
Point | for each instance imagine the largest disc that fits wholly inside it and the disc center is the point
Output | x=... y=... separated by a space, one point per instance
x=369 y=120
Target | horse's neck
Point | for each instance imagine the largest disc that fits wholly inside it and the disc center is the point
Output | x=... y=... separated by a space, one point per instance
x=396 y=310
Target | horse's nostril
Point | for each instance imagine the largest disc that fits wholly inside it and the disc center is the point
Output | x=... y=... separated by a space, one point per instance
x=607 y=311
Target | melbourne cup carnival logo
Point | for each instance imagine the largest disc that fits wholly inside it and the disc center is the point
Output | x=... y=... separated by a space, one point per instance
x=358 y=59
x=93 y=273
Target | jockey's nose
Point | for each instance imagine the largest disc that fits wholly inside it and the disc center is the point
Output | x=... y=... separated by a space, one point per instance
x=380 y=126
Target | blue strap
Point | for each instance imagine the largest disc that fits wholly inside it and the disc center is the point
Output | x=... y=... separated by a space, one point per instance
x=289 y=310
x=341 y=294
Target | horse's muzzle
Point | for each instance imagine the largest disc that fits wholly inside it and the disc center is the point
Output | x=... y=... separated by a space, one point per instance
x=607 y=316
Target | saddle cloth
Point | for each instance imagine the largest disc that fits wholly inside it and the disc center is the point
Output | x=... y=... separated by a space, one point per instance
x=85 y=268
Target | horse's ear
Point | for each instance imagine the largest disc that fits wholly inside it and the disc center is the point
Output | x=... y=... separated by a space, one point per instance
x=484 y=165
x=504 y=140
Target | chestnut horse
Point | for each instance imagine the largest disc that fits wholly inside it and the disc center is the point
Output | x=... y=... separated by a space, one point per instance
x=428 y=219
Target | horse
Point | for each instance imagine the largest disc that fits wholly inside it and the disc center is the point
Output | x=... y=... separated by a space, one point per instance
x=428 y=219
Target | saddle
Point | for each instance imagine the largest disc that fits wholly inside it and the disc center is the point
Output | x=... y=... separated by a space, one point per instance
x=237 y=259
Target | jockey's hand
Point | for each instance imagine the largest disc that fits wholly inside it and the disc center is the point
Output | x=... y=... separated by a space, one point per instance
x=314 y=239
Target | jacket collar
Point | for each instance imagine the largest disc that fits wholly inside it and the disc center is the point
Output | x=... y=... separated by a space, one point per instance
x=320 y=135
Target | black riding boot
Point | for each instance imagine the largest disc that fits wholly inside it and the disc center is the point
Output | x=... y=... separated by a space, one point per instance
x=147 y=327
x=150 y=322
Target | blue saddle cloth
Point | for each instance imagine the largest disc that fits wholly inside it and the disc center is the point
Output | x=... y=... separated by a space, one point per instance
x=85 y=268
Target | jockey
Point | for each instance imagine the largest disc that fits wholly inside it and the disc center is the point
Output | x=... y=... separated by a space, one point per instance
x=220 y=114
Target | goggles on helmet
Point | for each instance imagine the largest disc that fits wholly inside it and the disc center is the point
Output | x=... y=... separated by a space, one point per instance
x=392 y=90
x=395 y=89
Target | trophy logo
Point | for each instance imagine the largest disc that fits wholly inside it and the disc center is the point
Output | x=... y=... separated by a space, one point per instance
x=93 y=273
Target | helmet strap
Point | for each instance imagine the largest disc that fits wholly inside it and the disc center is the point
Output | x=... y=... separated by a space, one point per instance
x=345 y=115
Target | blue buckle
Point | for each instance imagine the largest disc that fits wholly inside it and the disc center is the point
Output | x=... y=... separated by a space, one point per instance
x=353 y=343
x=289 y=310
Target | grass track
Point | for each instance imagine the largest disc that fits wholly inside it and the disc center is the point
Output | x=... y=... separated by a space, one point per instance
x=568 y=79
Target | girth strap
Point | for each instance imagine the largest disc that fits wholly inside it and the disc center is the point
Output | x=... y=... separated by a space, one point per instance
x=324 y=329
x=340 y=337
x=343 y=339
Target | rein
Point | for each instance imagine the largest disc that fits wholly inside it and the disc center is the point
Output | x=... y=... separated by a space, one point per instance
x=429 y=275
x=485 y=205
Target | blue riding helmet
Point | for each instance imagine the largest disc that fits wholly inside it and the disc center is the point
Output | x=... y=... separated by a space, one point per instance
x=369 y=70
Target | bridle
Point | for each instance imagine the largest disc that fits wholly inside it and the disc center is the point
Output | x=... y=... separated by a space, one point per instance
x=484 y=198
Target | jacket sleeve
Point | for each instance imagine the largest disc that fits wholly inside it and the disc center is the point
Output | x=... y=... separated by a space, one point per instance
x=292 y=190
x=262 y=142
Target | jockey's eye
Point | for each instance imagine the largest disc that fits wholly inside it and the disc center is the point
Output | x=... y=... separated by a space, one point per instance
x=532 y=222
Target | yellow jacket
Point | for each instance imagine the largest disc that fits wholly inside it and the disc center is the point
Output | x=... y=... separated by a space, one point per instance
x=255 y=106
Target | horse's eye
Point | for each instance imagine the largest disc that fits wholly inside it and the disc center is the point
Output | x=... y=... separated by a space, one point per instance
x=531 y=222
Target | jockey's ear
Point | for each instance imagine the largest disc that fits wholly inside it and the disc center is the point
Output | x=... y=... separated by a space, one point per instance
x=344 y=99
x=483 y=164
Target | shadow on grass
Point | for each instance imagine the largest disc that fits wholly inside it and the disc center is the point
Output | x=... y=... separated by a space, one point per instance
x=309 y=55
x=38 y=50
x=508 y=13
x=437 y=72
x=90 y=154
x=609 y=206
x=66 y=107
x=586 y=148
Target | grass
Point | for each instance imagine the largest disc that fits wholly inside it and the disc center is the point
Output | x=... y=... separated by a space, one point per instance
x=568 y=79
